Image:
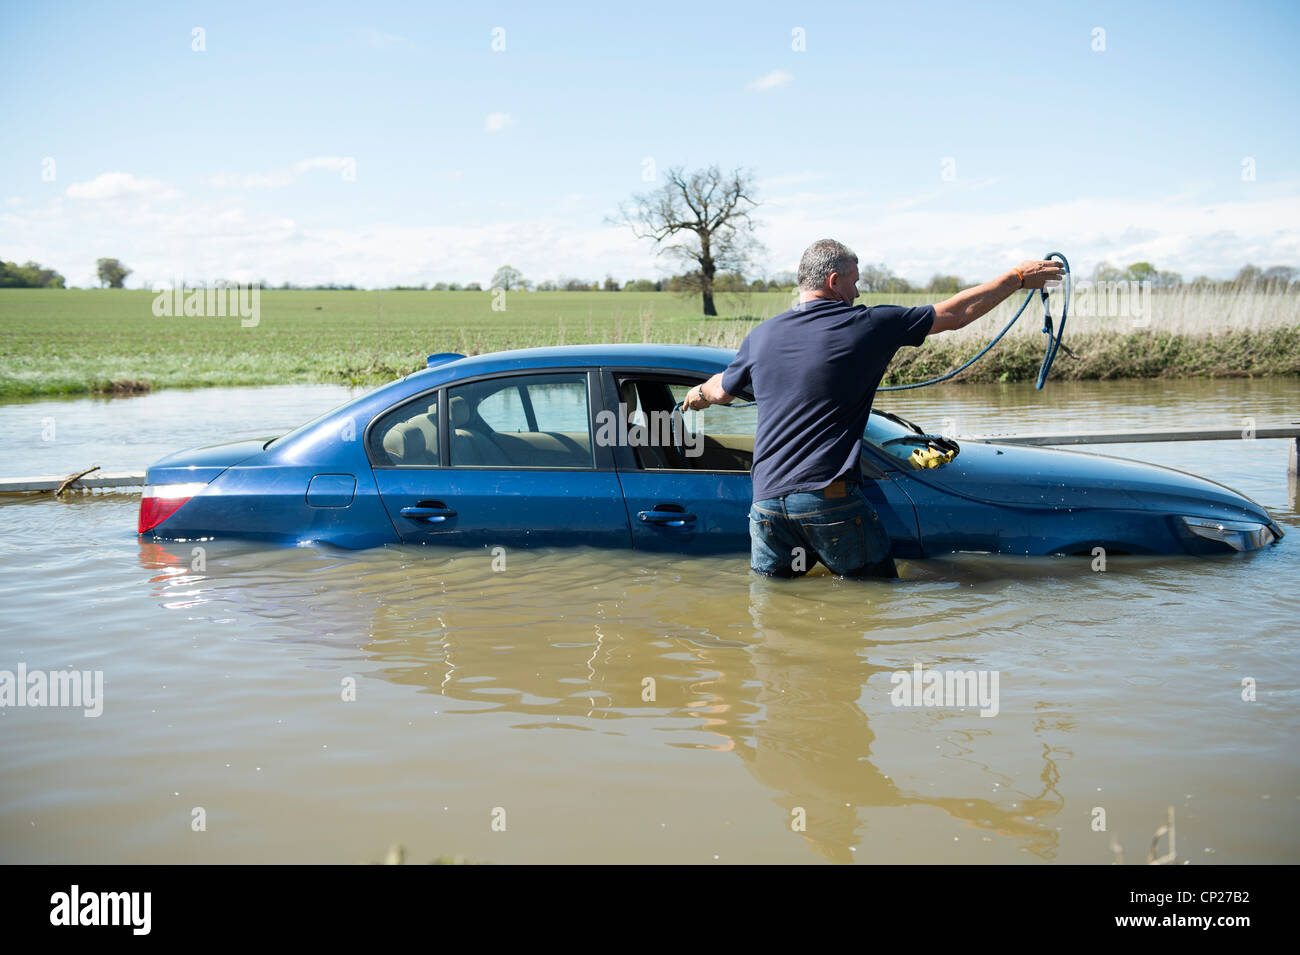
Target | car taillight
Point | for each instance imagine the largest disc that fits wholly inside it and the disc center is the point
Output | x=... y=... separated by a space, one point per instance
x=161 y=501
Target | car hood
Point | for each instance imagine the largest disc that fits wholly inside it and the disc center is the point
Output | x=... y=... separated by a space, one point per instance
x=1052 y=477
x=204 y=463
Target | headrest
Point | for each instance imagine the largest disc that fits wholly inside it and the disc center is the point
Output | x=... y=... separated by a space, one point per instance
x=459 y=412
x=405 y=444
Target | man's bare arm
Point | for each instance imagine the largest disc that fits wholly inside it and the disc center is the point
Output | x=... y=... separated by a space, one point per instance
x=709 y=393
x=972 y=303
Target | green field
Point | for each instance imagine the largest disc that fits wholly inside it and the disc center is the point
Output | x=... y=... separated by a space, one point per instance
x=79 y=341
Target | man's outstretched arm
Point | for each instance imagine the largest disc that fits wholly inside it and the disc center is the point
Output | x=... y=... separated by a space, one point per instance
x=972 y=303
x=709 y=393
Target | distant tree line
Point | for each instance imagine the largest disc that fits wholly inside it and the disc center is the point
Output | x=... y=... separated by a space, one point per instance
x=327 y=287
x=112 y=274
x=1274 y=278
x=874 y=279
x=28 y=275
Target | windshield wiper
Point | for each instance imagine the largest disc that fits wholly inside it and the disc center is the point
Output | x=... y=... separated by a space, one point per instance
x=899 y=419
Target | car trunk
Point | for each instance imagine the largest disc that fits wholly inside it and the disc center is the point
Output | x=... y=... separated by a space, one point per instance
x=203 y=463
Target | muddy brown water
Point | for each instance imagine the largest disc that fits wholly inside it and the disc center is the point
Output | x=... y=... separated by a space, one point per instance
x=589 y=706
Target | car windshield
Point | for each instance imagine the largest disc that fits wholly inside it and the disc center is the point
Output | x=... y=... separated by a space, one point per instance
x=893 y=434
x=882 y=426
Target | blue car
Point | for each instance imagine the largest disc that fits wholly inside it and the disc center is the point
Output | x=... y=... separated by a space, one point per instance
x=587 y=445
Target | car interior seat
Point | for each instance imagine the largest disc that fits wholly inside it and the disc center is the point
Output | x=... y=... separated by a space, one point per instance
x=414 y=441
x=470 y=447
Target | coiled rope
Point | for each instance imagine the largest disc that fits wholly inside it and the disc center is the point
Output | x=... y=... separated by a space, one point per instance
x=1054 y=334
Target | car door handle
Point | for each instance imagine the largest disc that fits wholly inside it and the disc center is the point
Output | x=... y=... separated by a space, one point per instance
x=667 y=518
x=430 y=515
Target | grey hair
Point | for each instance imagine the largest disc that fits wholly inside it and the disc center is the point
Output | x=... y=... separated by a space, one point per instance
x=821 y=259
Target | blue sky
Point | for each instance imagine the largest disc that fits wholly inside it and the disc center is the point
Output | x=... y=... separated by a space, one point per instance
x=237 y=161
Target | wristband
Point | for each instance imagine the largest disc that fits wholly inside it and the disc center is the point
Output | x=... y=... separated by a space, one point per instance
x=1021 y=274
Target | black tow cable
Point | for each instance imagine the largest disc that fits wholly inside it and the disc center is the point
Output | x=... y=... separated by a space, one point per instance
x=1054 y=335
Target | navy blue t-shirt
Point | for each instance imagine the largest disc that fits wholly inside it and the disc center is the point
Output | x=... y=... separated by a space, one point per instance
x=814 y=371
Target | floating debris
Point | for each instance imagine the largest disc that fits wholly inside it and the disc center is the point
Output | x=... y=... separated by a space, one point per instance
x=1169 y=858
x=72 y=479
x=396 y=855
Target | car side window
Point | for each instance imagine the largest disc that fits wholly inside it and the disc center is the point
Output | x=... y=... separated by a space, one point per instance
x=522 y=421
x=719 y=439
x=407 y=436
x=503 y=411
x=559 y=405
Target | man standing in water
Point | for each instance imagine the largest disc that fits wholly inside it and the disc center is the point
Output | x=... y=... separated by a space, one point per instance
x=814 y=370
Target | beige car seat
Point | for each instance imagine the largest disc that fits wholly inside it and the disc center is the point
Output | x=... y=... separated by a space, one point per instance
x=472 y=447
x=414 y=442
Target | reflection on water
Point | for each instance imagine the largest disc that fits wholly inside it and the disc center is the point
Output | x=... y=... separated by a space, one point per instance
x=630 y=707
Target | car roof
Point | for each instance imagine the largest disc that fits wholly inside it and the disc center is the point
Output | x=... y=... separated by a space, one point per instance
x=652 y=355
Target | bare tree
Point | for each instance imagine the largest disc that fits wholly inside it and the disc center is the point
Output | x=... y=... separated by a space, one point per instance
x=701 y=218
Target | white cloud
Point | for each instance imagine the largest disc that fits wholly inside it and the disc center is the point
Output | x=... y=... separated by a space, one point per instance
x=332 y=163
x=771 y=81
x=279 y=178
x=379 y=40
x=1171 y=232
x=790 y=179
x=254 y=180
x=497 y=122
x=118 y=185
x=203 y=239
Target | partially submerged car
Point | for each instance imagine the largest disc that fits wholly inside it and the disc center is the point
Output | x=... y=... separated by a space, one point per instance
x=583 y=445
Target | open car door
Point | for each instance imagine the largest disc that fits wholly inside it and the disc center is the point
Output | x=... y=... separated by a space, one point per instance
x=686 y=479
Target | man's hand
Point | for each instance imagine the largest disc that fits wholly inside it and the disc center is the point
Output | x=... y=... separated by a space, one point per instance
x=1038 y=272
x=694 y=400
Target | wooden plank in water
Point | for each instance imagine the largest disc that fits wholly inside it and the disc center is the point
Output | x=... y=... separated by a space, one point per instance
x=1291 y=431
x=99 y=479
x=1135 y=437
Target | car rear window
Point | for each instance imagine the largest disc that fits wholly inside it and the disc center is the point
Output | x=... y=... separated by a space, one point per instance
x=522 y=421
x=407 y=436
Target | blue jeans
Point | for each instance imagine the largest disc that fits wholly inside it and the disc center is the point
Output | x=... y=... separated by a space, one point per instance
x=836 y=525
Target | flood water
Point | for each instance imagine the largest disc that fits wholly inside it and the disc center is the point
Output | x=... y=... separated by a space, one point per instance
x=589 y=706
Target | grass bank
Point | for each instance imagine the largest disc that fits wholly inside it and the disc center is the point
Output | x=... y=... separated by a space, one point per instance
x=1149 y=354
x=71 y=341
